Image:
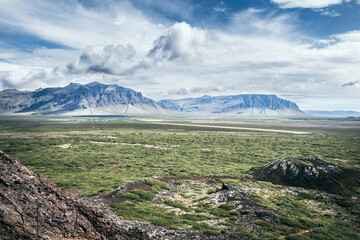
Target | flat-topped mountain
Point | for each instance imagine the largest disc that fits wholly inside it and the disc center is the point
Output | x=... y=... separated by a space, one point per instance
x=100 y=99
x=244 y=104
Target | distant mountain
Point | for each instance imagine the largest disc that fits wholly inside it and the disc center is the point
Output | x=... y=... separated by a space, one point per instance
x=244 y=104
x=92 y=98
x=339 y=113
x=100 y=99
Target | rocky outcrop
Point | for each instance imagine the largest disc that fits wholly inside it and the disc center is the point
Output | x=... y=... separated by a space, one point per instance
x=311 y=173
x=31 y=207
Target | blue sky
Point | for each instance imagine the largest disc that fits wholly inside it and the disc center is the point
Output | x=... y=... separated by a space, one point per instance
x=305 y=51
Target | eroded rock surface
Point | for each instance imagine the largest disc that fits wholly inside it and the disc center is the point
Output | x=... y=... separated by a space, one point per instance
x=311 y=173
x=31 y=207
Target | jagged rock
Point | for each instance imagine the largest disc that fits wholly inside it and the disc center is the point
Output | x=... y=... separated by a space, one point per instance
x=31 y=207
x=310 y=173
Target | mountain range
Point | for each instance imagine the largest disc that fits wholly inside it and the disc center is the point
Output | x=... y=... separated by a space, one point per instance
x=100 y=99
x=335 y=114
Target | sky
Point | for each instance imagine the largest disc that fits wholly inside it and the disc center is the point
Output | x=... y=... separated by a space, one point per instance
x=306 y=51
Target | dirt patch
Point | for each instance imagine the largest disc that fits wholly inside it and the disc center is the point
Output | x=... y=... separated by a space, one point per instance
x=103 y=143
x=205 y=149
x=64 y=146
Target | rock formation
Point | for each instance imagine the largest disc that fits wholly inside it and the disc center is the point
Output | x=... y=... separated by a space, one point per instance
x=311 y=173
x=31 y=207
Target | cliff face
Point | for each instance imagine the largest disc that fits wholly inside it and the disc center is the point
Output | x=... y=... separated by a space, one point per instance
x=246 y=104
x=94 y=97
x=100 y=99
x=31 y=207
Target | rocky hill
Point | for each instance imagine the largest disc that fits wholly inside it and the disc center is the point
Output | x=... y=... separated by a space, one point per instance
x=311 y=173
x=244 y=104
x=31 y=207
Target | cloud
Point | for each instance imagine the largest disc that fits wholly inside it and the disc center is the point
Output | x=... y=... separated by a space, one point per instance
x=307 y=3
x=196 y=90
x=257 y=51
x=71 y=24
x=327 y=12
x=220 y=9
x=28 y=77
x=350 y=84
x=110 y=59
x=181 y=41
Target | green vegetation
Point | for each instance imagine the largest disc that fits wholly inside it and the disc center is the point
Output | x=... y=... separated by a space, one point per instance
x=244 y=232
x=224 y=210
x=78 y=155
x=98 y=156
x=207 y=229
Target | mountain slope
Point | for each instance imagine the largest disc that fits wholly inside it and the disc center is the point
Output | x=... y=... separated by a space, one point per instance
x=245 y=104
x=92 y=98
x=100 y=99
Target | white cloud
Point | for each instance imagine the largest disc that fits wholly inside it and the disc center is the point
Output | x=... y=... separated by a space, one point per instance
x=327 y=12
x=307 y=3
x=71 y=24
x=110 y=59
x=255 y=53
x=181 y=41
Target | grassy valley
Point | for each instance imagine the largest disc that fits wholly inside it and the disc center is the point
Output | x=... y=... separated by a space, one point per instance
x=92 y=156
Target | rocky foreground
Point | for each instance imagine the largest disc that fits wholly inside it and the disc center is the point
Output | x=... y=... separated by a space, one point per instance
x=213 y=207
x=31 y=207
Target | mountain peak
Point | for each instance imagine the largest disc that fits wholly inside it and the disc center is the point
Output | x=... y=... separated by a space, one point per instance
x=95 y=83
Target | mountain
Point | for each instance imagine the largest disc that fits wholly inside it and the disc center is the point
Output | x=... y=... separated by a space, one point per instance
x=100 y=99
x=77 y=99
x=244 y=104
x=339 y=113
x=31 y=207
